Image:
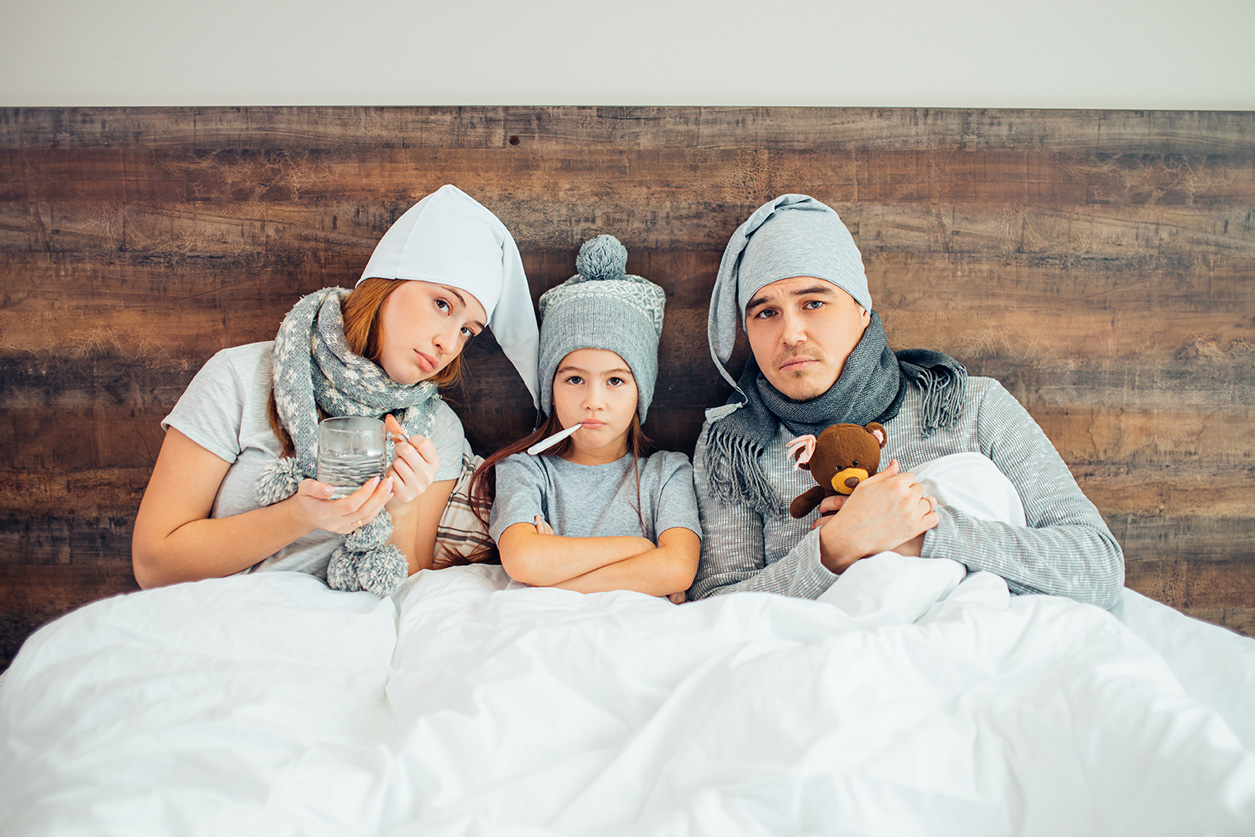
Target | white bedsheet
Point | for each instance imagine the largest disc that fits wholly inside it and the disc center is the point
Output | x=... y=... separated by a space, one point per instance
x=912 y=700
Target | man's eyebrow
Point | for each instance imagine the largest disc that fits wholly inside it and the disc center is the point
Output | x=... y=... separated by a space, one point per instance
x=822 y=289
x=462 y=300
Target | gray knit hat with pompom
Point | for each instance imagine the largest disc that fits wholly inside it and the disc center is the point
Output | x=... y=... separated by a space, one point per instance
x=602 y=307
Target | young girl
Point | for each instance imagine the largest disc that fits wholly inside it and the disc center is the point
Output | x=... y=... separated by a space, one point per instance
x=233 y=488
x=593 y=512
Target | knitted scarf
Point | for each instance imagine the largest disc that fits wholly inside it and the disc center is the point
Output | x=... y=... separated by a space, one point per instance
x=313 y=368
x=870 y=388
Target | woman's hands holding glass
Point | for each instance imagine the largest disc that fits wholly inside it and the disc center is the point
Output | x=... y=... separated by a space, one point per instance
x=414 y=466
x=312 y=505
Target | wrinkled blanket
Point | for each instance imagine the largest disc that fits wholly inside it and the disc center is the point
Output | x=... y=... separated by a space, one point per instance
x=913 y=699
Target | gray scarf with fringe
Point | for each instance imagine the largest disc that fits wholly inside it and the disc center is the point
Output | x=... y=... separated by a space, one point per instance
x=314 y=368
x=870 y=388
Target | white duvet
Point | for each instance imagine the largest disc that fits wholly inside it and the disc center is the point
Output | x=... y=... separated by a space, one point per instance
x=913 y=700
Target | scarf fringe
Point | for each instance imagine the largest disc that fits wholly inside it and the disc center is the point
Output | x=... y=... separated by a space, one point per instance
x=734 y=472
x=942 y=390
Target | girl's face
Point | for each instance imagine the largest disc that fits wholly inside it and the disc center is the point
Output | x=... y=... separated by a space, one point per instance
x=423 y=326
x=596 y=387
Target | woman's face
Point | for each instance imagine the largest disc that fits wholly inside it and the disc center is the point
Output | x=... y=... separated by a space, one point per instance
x=423 y=326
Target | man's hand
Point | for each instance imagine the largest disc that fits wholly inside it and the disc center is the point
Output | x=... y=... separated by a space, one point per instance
x=887 y=511
x=828 y=507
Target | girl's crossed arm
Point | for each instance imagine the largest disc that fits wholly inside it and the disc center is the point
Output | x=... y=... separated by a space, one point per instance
x=666 y=569
x=532 y=554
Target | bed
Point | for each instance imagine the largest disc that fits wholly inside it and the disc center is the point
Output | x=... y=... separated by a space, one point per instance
x=1043 y=248
x=915 y=698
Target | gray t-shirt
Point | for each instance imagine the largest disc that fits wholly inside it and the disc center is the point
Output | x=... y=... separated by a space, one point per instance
x=581 y=501
x=224 y=411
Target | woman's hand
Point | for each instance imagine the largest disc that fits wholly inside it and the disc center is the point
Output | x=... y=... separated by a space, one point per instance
x=414 y=466
x=311 y=506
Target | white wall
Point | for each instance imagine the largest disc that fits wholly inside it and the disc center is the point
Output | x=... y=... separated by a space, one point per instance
x=1147 y=54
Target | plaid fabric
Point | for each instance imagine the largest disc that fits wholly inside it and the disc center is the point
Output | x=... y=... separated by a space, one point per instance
x=460 y=534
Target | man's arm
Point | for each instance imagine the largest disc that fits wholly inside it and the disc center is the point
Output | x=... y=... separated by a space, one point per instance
x=733 y=553
x=1066 y=549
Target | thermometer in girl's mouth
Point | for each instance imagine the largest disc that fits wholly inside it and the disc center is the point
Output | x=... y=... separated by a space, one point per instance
x=547 y=443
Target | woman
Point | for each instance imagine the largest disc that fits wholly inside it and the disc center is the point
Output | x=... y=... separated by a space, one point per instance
x=233 y=487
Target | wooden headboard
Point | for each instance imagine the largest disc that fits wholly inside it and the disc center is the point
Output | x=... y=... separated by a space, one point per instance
x=1100 y=263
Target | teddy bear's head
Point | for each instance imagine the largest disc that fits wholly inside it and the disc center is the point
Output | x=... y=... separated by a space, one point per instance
x=839 y=459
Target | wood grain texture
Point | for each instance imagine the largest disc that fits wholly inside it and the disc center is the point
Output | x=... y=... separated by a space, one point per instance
x=1101 y=264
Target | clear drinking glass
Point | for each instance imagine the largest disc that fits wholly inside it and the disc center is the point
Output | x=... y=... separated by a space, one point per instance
x=350 y=451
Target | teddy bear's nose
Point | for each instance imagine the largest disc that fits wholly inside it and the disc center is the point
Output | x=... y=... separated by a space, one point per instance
x=843 y=481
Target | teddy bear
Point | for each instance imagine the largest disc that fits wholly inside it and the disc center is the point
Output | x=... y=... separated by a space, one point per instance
x=843 y=456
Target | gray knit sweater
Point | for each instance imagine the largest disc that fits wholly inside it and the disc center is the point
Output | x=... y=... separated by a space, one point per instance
x=1066 y=550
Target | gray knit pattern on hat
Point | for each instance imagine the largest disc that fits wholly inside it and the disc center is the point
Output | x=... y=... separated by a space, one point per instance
x=313 y=368
x=602 y=307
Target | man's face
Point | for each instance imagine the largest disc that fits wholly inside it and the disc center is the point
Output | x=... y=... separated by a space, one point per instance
x=801 y=331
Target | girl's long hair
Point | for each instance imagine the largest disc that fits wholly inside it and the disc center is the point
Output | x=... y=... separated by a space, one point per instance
x=483 y=489
x=360 y=310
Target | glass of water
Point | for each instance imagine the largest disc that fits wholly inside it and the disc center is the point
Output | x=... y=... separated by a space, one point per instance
x=350 y=451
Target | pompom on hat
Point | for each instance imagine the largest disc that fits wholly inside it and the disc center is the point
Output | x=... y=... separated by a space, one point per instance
x=451 y=239
x=602 y=307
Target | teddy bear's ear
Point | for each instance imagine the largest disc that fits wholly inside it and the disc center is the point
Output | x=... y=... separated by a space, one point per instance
x=801 y=450
x=877 y=431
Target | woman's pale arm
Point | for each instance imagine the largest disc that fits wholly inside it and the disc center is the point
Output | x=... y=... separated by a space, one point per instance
x=431 y=506
x=545 y=560
x=175 y=540
x=667 y=569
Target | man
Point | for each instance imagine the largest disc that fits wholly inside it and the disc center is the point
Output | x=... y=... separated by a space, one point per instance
x=794 y=278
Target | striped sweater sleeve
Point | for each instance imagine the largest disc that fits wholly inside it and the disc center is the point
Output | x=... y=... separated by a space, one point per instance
x=1066 y=549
